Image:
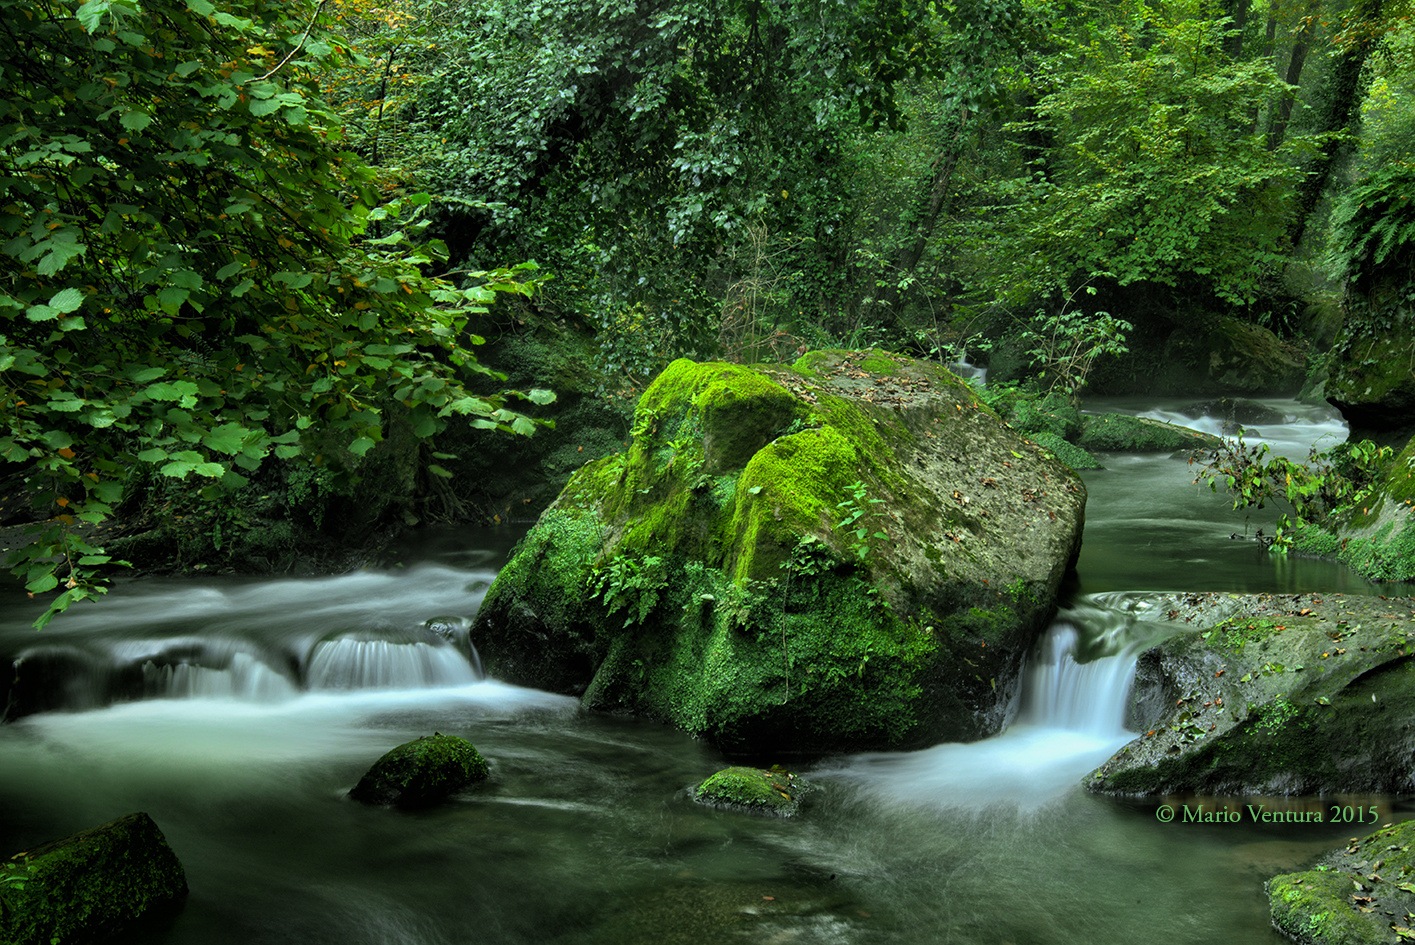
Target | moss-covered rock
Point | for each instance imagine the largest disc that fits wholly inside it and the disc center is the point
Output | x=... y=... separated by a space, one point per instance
x=422 y=772
x=1375 y=535
x=1121 y=433
x=849 y=552
x=1355 y=896
x=91 y=886
x=1224 y=355
x=1278 y=695
x=756 y=790
x=1372 y=374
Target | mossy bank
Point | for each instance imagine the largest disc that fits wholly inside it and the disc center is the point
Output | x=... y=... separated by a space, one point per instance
x=849 y=552
x=1262 y=694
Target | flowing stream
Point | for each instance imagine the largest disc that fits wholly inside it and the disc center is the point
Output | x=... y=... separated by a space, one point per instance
x=238 y=713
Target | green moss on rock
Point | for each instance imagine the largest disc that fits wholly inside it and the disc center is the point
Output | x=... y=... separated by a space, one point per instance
x=1354 y=895
x=754 y=790
x=802 y=559
x=1069 y=453
x=422 y=772
x=92 y=885
x=1120 y=433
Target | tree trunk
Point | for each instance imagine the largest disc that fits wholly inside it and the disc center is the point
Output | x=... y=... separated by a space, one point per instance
x=1277 y=128
x=1340 y=104
x=888 y=295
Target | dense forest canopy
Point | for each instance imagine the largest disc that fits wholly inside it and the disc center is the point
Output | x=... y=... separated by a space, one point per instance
x=238 y=232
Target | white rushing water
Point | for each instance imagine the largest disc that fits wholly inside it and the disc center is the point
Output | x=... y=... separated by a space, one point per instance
x=1071 y=718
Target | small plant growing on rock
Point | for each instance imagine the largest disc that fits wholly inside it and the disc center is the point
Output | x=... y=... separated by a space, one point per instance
x=855 y=509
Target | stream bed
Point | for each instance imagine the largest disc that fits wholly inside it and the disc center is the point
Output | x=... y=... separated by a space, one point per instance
x=238 y=712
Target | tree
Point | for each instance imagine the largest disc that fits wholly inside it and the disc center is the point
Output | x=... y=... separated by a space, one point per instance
x=1159 y=175
x=187 y=280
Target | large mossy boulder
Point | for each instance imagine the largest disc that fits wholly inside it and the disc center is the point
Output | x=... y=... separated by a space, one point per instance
x=422 y=772
x=1376 y=535
x=1304 y=694
x=1357 y=895
x=849 y=552
x=91 y=886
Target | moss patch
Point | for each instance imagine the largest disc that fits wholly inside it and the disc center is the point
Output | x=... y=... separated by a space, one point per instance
x=422 y=772
x=1070 y=454
x=1119 y=433
x=1376 y=535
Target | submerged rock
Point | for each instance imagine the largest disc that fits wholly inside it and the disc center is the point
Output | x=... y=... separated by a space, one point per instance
x=1236 y=413
x=1304 y=694
x=422 y=772
x=1376 y=535
x=90 y=886
x=1356 y=895
x=849 y=552
x=1122 y=433
x=755 y=790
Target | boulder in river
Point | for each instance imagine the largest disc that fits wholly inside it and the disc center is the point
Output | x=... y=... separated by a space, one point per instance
x=1121 y=433
x=849 y=552
x=1376 y=534
x=422 y=772
x=1273 y=694
x=1359 y=894
x=754 y=790
x=1221 y=354
x=1372 y=375
x=91 y=886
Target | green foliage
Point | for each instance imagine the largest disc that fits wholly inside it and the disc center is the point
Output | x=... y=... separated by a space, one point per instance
x=1331 y=479
x=1158 y=171
x=631 y=584
x=189 y=281
x=1066 y=344
x=855 y=510
x=1375 y=221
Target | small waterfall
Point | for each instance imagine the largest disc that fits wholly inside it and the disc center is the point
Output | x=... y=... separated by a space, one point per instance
x=969 y=372
x=352 y=663
x=1079 y=697
x=1070 y=720
x=245 y=678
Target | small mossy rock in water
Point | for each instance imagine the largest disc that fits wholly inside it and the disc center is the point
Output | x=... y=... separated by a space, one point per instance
x=1357 y=895
x=422 y=772
x=1376 y=535
x=1224 y=355
x=1303 y=694
x=756 y=790
x=850 y=552
x=91 y=886
x=1121 y=433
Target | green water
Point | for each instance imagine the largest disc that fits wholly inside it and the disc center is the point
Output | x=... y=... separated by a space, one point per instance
x=585 y=832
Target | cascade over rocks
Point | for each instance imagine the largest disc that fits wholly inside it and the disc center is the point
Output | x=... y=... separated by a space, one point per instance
x=1265 y=694
x=850 y=552
x=91 y=886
